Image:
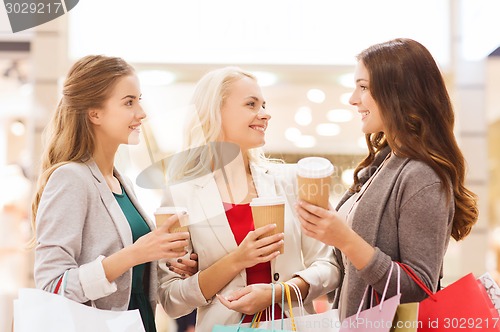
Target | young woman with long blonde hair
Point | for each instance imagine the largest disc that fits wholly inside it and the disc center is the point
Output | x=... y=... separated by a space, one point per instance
x=88 y=223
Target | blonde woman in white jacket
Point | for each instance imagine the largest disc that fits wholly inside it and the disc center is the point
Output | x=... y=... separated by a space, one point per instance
x=222 y=170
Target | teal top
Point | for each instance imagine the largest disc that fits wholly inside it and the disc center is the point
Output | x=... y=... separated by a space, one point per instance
x=138 y=297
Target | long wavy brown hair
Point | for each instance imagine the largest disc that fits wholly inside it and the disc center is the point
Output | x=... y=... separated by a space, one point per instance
x=69 y=135
x=415 y=107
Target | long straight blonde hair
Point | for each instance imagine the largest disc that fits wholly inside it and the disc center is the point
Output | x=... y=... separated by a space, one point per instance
x=69 y=135
x=204 y=125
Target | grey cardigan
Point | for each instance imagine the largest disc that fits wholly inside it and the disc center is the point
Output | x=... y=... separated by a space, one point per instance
x=406 y=215
x=78 y=223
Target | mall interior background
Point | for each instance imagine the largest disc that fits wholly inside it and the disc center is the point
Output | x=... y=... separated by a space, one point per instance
x=303 y=54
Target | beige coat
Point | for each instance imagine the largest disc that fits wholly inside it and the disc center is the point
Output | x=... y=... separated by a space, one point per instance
x=212 y=238
x=79 y=222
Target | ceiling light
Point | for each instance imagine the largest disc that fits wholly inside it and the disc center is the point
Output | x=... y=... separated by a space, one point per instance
x=328 y=129
x=316 y=96
x=292 y=134
x=265 y=78
x=348 y=177
x=362 y=142
x=26 y=89
x=344 y=98
x=303 y=116
x=347 y=80
x=339 y=115
x=155 y=77
x=17 y=128
x=306 y=141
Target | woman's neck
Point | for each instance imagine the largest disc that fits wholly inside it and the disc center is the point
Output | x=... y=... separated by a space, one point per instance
x=246 y=162
x=234 y=180
x=104 y=157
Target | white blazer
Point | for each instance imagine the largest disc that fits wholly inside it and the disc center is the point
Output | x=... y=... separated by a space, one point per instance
x=212 y=238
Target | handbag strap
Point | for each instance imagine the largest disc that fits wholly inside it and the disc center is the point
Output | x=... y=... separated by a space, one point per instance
x=282 y=305
x=272 y=306
x=255 y=320
x=399 y=279
x=299 y=297
x=289 y=300
x=257 y=317
x=374 y=293
x=383 y=294
x=61 y=284
x=58 y=285
x=61 y=287
x=387 y=285
x=417 y=280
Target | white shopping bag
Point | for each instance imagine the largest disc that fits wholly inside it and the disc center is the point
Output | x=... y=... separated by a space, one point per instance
x=492 y=289
x=327 y=321
x=38 y=310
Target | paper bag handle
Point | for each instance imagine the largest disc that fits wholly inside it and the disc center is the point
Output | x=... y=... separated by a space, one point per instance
x=289 y=300
x=61 y=284
x=299 y=298
x=383 y=294
x=417 y=280
x=257 y=317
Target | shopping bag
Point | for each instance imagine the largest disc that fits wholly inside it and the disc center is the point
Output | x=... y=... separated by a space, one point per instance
x=41 y=311
x=406 y=318
x=327 y=321
x=275 y=325
x=492 y=289
x=378 y=318
x=236 y=328
x=462 y=305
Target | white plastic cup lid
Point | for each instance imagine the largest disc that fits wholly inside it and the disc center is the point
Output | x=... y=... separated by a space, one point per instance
x=314 y=167
x=267 y=201
x=170 y=210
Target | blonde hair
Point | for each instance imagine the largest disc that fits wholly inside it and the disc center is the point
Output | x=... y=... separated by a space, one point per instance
x=204 y=125
x=69 y=135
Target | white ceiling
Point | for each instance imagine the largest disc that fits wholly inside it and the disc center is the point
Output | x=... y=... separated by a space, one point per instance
x=260 y=32
x=166 y=105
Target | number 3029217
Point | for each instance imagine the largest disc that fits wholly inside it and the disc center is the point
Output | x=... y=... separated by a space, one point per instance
x=468 y=323
x=33 y=8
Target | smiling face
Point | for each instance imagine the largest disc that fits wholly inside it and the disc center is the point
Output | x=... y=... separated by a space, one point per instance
x=119 y=120
x=244 y=118
x=363 y=100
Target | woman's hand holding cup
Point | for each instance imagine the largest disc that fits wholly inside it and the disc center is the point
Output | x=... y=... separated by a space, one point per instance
x=257 y=248
x=161 y=243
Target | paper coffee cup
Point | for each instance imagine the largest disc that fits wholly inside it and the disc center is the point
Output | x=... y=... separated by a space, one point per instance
x=314 y=176
x=165 y=212
x=269 y=210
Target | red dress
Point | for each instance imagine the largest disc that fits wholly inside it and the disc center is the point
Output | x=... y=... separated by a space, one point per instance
x=241 y=222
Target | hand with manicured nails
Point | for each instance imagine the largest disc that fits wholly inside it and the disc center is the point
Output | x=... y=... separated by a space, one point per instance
x=257 y=297
x=155 y=245
x=183 y=266
x=322 y=224
x=328 y=227
x=160 y=243
x=253 y=251
x=248 y=300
